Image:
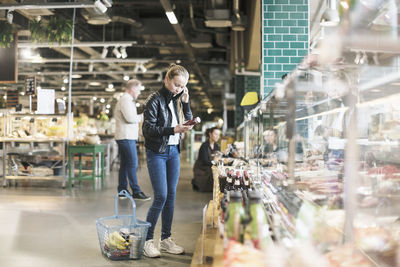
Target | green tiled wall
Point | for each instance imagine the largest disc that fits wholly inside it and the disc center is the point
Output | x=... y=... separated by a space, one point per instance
x=244 y=84
x=285 y=29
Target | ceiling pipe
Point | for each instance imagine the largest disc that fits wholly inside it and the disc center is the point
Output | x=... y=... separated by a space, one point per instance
x=191 y=14
x=129 y=21
x=88 y=60
x=63 y=5
x=50 y=73
x=82 y=44
x=178 y=29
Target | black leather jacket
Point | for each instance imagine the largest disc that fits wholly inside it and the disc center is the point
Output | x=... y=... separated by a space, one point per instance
x=158 y=118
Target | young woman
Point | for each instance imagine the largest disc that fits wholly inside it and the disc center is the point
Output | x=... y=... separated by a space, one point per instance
x=164 y=114
x=203 y=179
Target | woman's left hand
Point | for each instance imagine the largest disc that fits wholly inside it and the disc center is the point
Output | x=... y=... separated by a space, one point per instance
x=185 y=95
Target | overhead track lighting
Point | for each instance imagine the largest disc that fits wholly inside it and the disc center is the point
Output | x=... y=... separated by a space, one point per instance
x=142 y=68
x=108 y=3
x=364 y=59
x=116 y=53
x=100 y=6
x=10 y=16
x=104 y=53
x=126 y=77
x=90 y=68
x=123 y=52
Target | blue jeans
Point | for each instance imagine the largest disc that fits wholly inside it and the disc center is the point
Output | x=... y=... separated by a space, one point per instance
x=164 y=175
x=128 y=165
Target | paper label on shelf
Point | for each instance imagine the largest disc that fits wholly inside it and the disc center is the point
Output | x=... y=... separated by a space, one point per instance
x=336 y=143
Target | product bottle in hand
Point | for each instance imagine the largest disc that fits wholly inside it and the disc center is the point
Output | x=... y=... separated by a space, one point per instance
x=192 y=121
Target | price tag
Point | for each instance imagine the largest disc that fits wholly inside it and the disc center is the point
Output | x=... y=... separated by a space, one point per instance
x=30 y=85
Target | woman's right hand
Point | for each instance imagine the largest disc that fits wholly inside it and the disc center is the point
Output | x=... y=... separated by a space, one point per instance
x=180 y=128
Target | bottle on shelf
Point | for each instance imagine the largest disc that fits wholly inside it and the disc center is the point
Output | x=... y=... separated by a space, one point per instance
x=234 y=218
x=236 y=181
x=257 y=229
x=229 y=180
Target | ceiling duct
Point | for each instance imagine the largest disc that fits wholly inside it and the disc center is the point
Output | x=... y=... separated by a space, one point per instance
x=95 y=17
x=218 y=18
x=201 y=41
x=239 y=21
x=128 y=21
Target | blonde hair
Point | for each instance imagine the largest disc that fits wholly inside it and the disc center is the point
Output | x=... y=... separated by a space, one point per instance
x=177 y=70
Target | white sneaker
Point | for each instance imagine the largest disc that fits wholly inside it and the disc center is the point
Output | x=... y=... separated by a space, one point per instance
x=150 y=250
x=169 y=246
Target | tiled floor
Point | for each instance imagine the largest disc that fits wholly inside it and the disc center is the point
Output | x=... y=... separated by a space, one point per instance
x=43 y=225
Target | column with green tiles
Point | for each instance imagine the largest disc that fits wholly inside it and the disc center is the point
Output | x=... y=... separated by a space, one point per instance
x=285 y=30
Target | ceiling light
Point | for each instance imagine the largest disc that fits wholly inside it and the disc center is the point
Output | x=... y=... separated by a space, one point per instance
x=94 y=98
x=64 y=98
x=94 y=84
x=26 y=53
x=62 y=88
x=76 y=76
x=330 y=18
x=90 y=68
x=104 y=53
x=107 y=111
x=123 y=52
x=116 y=53
x=126 y=77
x=209 y=110
x=110 y=89
x=194 y=81
x=171 y=17
x=10 y=16
x=110 y=86
x=65 y=80
x=102 y=100
x=22 y=93
x=108 y=106
x=137 y=104
x=178 y=61
x=344 y=4
x=142 y=88
x=100 y=6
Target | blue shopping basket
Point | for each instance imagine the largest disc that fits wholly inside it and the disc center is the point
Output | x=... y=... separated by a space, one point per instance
x=122 y=237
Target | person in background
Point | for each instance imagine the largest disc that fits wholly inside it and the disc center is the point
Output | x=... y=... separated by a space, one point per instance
x=271 y=142
x=164 y=114
x=126 y=133
x=203 y=178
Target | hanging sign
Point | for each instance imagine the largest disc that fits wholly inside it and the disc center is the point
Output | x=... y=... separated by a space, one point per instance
x=30 y=85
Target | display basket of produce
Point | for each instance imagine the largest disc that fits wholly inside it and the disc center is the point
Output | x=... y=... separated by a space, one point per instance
x=122 y=237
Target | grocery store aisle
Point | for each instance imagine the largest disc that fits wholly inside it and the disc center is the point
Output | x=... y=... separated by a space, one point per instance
x=44 y=225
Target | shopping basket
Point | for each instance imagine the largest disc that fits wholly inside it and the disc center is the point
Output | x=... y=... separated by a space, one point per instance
x=122 y=237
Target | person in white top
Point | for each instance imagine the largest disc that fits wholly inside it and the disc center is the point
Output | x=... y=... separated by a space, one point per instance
x=126 y=134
